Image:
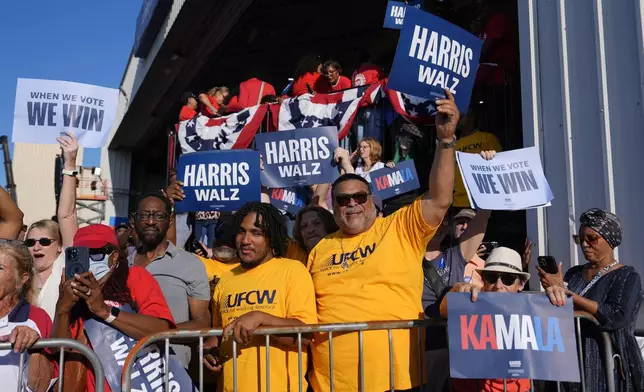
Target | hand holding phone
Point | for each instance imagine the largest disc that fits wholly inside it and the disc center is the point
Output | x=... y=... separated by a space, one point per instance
x=76 y=261
x=548 y=264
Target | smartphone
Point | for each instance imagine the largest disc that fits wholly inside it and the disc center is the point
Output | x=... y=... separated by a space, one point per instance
x=548 y=264
x=488 y=247
x=76 y=261
x=196 y=245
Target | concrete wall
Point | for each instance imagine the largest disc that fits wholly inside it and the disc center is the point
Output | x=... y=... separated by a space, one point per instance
x=582 y=64
x=33 y=170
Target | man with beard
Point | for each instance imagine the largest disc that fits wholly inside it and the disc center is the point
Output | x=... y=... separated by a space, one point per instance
x=371 y=270
x=265 y=290
x=182 y=276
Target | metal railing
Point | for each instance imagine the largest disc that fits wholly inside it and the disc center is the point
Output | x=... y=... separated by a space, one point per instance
x=65 y=344
x=330 y=330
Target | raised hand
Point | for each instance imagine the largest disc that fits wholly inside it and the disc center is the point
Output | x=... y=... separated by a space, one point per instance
x=447 y=116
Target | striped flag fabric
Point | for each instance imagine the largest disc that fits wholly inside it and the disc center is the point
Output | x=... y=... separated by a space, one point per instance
x=334 y=109
x=235 y=131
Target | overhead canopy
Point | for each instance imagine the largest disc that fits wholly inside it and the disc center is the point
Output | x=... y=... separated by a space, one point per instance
x=224 y=42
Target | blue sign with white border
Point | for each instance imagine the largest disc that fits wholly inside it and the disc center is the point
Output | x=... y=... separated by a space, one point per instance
x=511 y=335
x=298 y=158
x=434 y=55
x=218 y=180
x=388 y=183
x=289 y=199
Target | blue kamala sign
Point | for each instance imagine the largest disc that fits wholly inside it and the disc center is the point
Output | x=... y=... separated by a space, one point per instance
x=388 y=183
x=511 y=336
x=434 y=55
x=218 y=180
x=289 y=199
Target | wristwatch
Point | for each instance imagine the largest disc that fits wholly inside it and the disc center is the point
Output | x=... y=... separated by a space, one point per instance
x=72 y=173
x=443 y=144
x=114 y=312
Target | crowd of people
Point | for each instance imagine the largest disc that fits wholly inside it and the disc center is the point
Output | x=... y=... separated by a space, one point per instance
x=347 y=256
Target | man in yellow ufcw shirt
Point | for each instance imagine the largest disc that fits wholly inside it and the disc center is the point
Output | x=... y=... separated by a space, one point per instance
x=264 y=290
x=472 y=141
x=372 y=270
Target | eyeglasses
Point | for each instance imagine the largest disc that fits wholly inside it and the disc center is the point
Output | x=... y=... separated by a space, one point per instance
x=344 y=199
x=579 y=240
x=493 y=277
x=30 y=242
x=156 y=216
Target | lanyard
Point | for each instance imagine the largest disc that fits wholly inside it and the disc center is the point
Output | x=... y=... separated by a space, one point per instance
x=595 y=278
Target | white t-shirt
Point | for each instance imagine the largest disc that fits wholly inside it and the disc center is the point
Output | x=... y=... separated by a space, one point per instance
x=48 y=295
x=360 y=171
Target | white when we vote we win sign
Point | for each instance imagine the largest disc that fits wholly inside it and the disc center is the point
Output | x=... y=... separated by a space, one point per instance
x=513 y=180
x=46 y=108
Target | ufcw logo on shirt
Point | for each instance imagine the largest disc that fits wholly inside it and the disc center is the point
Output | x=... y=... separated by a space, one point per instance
x=346 y=260
x=250 y=298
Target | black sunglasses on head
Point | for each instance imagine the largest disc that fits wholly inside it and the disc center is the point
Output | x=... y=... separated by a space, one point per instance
x=30 y=242
x=344 y=199
x=493 y=277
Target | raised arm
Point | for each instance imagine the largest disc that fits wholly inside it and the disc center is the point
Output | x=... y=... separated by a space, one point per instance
x=67 y=202
x=10 y=217
x=441 y=177
x=473 y=236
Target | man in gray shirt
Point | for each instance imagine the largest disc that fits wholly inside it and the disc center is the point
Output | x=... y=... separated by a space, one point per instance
x=181 y=275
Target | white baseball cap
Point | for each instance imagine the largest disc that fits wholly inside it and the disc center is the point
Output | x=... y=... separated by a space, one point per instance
x=504 y=260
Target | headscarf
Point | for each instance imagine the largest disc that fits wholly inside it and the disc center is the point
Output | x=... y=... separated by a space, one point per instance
x=605 y=223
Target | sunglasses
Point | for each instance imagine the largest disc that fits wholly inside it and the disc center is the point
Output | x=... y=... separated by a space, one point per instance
x=99 y=254
x=30 y=242
x=493 y=277
x=579 y=240
x=343 y=200
x=156 y=216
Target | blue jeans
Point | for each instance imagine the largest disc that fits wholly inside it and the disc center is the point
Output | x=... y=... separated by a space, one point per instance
x=205 y=231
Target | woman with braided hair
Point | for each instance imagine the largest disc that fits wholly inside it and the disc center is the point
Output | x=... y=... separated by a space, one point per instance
x=612 y=293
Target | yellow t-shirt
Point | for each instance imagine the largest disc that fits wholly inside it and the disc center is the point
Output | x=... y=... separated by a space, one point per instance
x=215 y=268
x=373 y=276
x=472 y=144
x=280 y=287
x=295 y=251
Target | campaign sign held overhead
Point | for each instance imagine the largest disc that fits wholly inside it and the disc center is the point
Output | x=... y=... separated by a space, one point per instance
x=388 y=183
x=46 y=108
x=298 y=158
x=395 y=14
x=513 y=180
x=289 y=199
x=434 y=55
x=218 y=180
x=511 y=336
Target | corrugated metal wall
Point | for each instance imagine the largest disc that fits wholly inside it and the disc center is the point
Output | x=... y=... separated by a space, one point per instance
x=582 y=64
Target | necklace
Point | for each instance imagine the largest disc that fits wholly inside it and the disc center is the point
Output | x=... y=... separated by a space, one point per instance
x=597 y=276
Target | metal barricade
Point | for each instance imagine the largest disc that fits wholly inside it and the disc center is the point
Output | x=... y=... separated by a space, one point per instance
x=66 y=344
x=330 y=330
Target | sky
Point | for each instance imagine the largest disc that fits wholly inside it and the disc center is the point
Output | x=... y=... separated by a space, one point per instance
x=75 y=40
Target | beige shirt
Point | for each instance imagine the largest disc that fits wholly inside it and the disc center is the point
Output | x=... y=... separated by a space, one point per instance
x=48 y=295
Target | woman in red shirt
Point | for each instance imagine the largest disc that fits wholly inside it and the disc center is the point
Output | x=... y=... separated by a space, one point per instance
x=336 y=82
x=99 y=294
x=213 y=101
x=308 y=77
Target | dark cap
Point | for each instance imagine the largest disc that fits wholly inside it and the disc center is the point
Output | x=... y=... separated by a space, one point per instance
x=225 y=235
x=186 y=96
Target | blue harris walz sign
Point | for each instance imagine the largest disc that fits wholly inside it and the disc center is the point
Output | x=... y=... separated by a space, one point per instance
x=289 y=199
x=511 y=336
x=218 y=180
x=388 y=183
x=434 y=55
x=395 y=14
x=298 y=158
